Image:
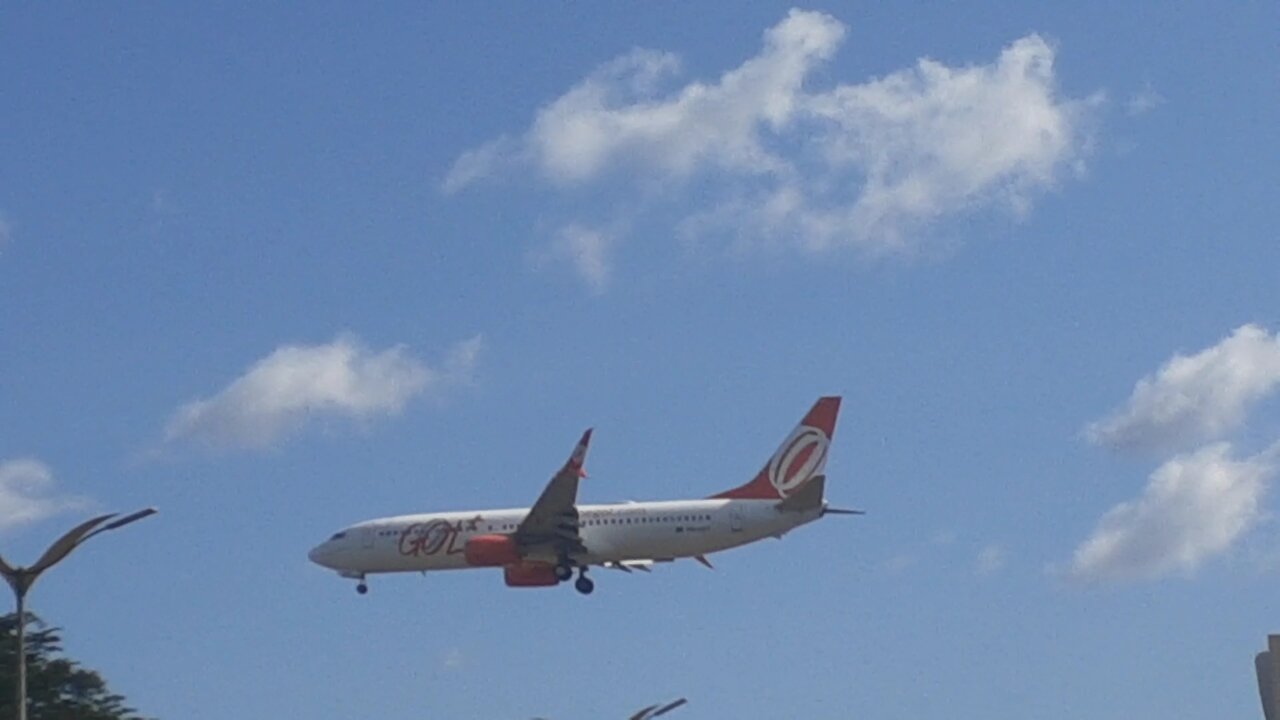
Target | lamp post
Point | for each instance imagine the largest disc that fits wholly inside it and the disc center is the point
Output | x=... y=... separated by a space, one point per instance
x=1268 y=666
x=22 y=578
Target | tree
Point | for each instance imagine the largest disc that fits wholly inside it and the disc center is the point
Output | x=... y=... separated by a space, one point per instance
x=57 y=688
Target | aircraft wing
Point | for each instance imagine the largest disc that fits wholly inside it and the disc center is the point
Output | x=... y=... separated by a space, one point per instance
x=552 y=523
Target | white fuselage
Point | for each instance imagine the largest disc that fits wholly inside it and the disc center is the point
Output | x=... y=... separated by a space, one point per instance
x=617 y=533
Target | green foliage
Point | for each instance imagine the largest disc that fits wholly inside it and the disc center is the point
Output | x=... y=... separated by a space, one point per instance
x=57 y=688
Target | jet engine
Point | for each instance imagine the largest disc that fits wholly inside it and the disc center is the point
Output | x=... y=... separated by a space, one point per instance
x=491 y=551
x=530 y=575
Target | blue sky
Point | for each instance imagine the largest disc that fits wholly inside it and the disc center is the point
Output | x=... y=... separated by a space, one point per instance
x=277 y=270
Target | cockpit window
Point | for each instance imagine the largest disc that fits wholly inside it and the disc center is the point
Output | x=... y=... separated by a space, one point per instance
x=338 y=535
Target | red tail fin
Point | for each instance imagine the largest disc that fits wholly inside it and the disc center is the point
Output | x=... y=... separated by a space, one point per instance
x=803 y=455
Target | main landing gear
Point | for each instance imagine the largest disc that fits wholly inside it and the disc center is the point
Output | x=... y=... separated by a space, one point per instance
x=564 y=573
x=583 y=583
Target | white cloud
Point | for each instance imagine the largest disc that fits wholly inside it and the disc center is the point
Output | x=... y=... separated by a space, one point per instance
x=161 y=204
x=298 y=384
x=477 y=164
x=25 y=493
x=935 y=140
x=1144 y=101
x=991 y=560
x=859 y=164
x=901 y=562
x=1194 y=507
x=453 y=659
x=617 y=115
x=587 y=252
x=1198 y=397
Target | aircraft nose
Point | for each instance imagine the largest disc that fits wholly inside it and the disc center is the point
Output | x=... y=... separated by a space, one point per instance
x=317 y=554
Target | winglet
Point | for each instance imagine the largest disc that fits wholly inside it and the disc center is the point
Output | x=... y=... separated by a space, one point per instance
x=578 y=459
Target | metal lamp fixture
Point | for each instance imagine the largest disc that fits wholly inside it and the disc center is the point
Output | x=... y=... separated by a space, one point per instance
x=22 y=578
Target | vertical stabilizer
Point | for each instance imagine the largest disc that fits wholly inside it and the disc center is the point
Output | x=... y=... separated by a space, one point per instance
x=802 y=456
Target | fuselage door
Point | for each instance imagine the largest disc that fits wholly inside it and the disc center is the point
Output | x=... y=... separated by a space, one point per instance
x=366 y=538
x=735 y=519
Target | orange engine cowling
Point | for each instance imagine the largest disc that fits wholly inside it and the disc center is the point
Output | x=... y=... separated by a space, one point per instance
x=491 y=551
x=532 y=574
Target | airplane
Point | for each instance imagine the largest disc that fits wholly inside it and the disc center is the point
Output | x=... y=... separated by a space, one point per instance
x=544 y=545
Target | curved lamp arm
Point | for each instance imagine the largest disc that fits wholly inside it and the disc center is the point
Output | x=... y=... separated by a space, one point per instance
x=65 y=544
x=21 y=579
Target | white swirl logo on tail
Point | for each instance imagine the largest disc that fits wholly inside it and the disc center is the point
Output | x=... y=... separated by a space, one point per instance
x=801 y=456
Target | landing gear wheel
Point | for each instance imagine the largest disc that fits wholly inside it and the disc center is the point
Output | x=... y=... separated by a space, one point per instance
x=584 y=585
x=362 y=588
x=564 y=572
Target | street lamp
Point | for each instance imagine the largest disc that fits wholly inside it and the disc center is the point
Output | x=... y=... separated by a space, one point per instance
x=650 y=712
x=654 y=711
x=21 y=579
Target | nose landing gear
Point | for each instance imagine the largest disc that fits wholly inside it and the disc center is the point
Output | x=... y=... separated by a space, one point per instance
x=358 y=576
x=361 y=587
